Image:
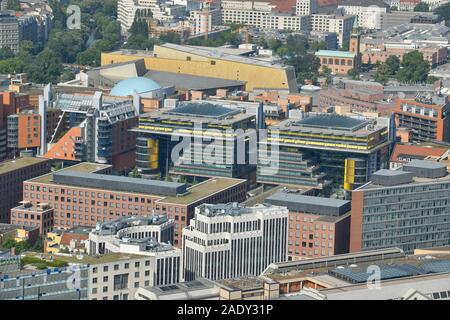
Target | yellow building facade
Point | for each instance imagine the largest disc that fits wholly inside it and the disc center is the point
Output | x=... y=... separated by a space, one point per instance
x=208 y=62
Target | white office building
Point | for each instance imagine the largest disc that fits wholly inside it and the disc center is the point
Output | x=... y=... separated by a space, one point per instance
x=262 y=15
x=368 y=12
x=305 y=7
x=227 y=241
x=149 y=237
x=342 y=25
x=126 y=11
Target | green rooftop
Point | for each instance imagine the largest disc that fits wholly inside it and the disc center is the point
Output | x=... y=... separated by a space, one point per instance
x=15 y=164
x=82 y=167
x=97 y=259
x=203 y=190
x=335 y=53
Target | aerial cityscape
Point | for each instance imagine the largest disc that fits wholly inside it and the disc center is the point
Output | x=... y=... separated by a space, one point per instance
x=185 y=150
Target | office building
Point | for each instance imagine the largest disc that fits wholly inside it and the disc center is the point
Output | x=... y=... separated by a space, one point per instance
x=86 y=194
x=348 y=276
x=40 y=216
x=49 y=284
x=318 y=226
x=146 y=236
x=427 y=118
x=33 y=25
x=199 y=289
x=12 y=175
x=227 y=241
x=114 y=236
x=223 y=63
x=263 y=14
x=93 y=128
x=305 y=7
x=342 y=25
x=198 y=124
x=325 y=150
x=368 y=12
x=24 y=131
x=406 y=208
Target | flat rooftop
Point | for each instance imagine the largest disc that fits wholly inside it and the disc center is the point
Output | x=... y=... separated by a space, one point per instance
x=6 y=228
x=85 y=259
x=19 y=163
x=84 y=167
x=335 y=53
x=244 y=283
x=332 y=122
x=198 y=112
x=184 y=290
x=202 y=109
x=310 y=204
x=118 y=183
x=193 y=194
x=203 y=190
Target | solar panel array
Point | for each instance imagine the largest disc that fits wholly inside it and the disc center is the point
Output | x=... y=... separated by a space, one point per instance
x=360 y=275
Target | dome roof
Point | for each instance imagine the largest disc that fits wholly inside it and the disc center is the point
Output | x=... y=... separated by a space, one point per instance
x=128 y=86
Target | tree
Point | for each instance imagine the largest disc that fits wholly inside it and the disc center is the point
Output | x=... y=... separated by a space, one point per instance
x=13 y=5
x=67 y=75
x=382 y=74
x=46 y=68
x=422 y=7
x=319 y=45
x=444 y=12
x=414 y=68
x=274 y=44
x=6 y=53
x=171 y=37
x=135 y=173
x=394 y=8
x=353 y=73
x=393 y=63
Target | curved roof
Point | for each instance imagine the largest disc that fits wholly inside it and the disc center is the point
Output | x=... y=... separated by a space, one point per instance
x=138 y=84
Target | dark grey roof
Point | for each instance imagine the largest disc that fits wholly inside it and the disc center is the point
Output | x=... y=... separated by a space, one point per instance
x=386 y=177
x=190 y=82
x=310 y=204
x=119 y=183
x=203 y=109
x=332 y=121
x=426 y=169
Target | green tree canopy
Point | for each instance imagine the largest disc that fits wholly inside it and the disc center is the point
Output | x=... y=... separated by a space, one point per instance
x=393 y=63
x=414 y=68
x=422 y=7
x=47 y=67
x=382 y=74
x=353 y=73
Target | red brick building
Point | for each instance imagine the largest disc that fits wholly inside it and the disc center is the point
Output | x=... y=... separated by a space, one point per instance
x=85 y=194
x=12 y=175
x=318 y=226
x=40 y=216
x=427 y=118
